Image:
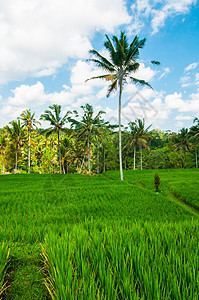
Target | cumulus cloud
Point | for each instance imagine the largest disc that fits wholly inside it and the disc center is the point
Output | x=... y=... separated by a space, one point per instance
x=32 y=97
x=39 y=36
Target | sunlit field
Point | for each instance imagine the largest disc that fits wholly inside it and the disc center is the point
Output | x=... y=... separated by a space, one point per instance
x=95 y=237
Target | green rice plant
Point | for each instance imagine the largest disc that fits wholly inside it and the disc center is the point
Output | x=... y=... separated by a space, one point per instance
x=122 y=261
x=107 y=228
x=187 y=192
x=4 y=255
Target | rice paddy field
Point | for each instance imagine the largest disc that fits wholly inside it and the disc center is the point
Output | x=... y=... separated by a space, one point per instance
x=95 y=237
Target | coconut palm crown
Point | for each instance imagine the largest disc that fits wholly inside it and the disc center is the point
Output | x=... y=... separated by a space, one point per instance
x=121 y=65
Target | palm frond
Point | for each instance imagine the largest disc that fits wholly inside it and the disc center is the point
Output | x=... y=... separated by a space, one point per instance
x=106 y=77
x=141 y=82
x=112 y=88
x=133 y=53
x=102 y=65
x=109 y=46
x=133 y=67
x=102 y=58
x=155 y=62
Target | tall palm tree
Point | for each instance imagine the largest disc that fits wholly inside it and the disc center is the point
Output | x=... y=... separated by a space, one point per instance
x=30 y=123
x=122 y=63
x=57 y=122
x=17 y=135
x=87 y=126
x=181 y=142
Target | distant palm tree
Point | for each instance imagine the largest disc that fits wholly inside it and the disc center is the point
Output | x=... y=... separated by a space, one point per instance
x=87 y=126
x=120 y=66
x=144 y=136
x=29 y=122
x=17 y=135
x=139 y=136
x=57 y=122
x=181 y=142
x=3 y=144
x=194 y=133
x=196 y=120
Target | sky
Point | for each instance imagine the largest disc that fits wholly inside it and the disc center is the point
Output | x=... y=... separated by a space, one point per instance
x=45 y=46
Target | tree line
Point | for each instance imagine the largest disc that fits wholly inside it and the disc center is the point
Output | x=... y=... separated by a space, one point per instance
x=86 y=144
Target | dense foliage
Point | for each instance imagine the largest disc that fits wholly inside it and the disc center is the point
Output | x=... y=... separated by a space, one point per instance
x=88 y=144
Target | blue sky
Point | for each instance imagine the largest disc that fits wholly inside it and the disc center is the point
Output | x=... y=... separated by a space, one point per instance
x=45 y=44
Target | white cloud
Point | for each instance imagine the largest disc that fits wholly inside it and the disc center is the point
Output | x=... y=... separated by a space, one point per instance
x=165 y=72
x=31 y=97
x=191 y=66
x=174 y=100
x=156 y=12
x=145 y=73
x=39 y=36
x=183 y=118
x=197 y=78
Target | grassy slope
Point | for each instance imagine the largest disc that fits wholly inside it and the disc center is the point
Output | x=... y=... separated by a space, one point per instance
x=32 y=206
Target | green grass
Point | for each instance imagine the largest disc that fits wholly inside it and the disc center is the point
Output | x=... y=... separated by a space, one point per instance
x=44 y=211
x=4 y=254
x=125 y=261
x=187 y=192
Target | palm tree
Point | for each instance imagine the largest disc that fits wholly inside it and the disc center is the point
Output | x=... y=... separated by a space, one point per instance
x=194 y=133
x=89 y=125
x=120 y=66
x=196 y=120
x=57 y=122
x=143 y=136
x=17 y=135
x=29 y=122
x=3 y=144
x=139 y=136
x=181 y=142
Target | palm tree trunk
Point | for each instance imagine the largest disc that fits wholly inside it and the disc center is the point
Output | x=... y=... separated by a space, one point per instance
x=89 y=166
x=120 y=132
x=134 y=157
x=97 y=159
x=141 y=155
x=59 y=153
x=196 y=157
x=66 y=168
x=104 y=163
x=185 y=164
x=82 y=163
x=28 y=152
x=77 y=164
x=64 y=172
x=3 y=164
x=16 y=159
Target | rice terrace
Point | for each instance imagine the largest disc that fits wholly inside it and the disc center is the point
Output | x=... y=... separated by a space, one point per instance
x=82 y=237
x=99 y=143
